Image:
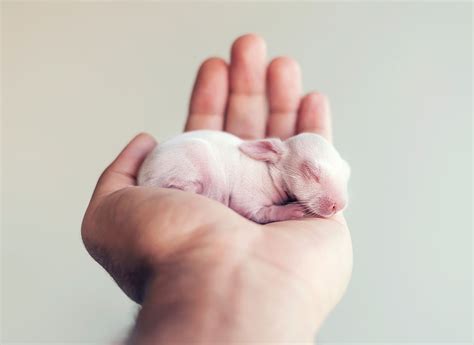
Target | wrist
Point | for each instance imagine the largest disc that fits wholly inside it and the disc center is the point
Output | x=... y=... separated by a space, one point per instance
x=223 y=297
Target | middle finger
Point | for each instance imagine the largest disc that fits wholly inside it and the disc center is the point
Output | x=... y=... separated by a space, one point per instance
x=247 y=107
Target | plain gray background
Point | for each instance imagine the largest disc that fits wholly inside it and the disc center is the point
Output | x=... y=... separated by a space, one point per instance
x=79 y=80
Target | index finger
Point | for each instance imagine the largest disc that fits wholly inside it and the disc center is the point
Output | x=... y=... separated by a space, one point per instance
x=209 y=96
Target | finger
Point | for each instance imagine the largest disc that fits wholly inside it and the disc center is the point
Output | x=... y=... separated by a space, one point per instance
x=284 y=94
x=209 y=96
x=314 y=115
x=122 y=172
x=247 y=107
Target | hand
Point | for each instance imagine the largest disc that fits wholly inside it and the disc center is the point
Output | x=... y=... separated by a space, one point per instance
x=190 y=260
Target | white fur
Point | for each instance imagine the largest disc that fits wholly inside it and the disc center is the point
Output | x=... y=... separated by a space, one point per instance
x=257 y=180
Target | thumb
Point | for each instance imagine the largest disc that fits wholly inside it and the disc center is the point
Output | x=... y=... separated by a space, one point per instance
x=122 y=172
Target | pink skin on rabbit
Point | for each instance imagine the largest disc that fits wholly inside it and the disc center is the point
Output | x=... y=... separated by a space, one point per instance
x=264 y=180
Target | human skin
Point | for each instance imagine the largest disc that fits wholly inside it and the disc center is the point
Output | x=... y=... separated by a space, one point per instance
x=202 y=273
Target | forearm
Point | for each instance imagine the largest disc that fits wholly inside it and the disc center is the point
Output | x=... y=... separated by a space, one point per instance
x=228 y=302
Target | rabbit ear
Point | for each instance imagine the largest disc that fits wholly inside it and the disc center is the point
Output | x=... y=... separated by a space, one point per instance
x=266 y=150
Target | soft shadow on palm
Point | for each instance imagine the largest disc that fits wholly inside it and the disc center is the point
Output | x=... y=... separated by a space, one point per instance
x=314 y=253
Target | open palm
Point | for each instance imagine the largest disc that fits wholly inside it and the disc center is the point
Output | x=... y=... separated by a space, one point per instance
x=137 y=233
